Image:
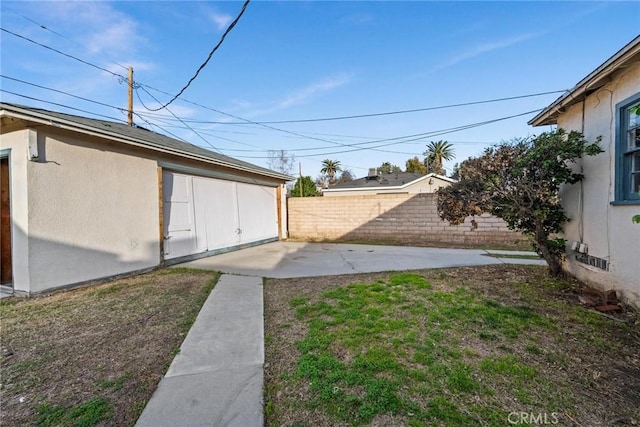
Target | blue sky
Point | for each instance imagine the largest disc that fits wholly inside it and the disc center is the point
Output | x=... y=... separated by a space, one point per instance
x=305 y=60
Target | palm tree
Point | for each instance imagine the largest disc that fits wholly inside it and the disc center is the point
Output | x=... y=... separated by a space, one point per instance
x=436 y=153
x=330 y=167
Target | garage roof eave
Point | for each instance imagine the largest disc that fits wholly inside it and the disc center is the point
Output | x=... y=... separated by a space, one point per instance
x=135 y=136
x=592 y=82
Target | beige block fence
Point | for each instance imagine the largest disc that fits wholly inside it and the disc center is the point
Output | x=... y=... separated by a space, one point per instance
x=390 y=217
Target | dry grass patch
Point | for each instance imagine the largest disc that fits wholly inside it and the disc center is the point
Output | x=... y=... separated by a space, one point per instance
x=463 y=346
x=94 y=356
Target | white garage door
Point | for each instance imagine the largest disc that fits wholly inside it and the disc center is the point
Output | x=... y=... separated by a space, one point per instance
x=206 y=214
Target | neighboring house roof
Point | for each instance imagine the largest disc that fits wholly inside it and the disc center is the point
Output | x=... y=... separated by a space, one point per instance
x=596 y=79
x=385 y=181
x=132 y=135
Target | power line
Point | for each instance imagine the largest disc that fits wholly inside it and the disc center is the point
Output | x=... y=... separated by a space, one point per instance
x=63 y=93
x=60 y=105
x=44 y=27
x=356 y=145
x=204 y=132
x=102 y=115
x=398 y=140
x=200 y=136
x=65 y=54
x=125 y=110
x=414 y=110
x=388 y=113
x=204 y=64
x=417 y=137
x=255 y=123
x=209 y=108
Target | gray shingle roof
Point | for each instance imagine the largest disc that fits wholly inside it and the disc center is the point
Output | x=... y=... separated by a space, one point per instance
x=137 y=135
x=382 y=180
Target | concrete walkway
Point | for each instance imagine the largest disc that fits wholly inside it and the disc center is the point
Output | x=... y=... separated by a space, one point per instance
x=298 y=259
x=217 y=378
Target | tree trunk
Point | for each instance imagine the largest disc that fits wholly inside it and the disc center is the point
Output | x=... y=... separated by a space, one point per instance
x=555 y=269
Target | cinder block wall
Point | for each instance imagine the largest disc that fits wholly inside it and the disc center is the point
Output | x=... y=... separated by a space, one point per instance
x=396 y=217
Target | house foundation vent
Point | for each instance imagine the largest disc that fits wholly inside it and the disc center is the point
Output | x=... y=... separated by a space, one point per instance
x=593 y=261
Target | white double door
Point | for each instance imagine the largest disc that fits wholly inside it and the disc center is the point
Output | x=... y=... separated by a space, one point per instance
x=204 y=214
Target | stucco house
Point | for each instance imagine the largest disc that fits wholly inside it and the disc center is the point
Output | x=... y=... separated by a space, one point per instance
x=86 y=199
x=389 y=183
x=603 y=246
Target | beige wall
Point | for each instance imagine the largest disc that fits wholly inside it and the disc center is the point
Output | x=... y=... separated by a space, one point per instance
x=421 y=186
x=17 y=143
x=606 y=229
x=88 y=208
x=395 y=217
x=90 y=212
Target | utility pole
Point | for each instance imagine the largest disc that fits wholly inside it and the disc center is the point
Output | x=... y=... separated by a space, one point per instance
x=130 y=103
x=300 y=173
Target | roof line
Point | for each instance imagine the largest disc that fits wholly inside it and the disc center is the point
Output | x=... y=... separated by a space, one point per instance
x=430 y=175
x=594 y=80
x=40 y=116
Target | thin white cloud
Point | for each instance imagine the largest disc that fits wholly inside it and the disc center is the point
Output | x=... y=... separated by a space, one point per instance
x=303 y=95
x=97 y=26
x=485 y=48
x=221 y=20
x=112 y=38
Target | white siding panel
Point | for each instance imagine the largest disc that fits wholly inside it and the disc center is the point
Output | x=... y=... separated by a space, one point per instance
x=216 y=213
x=257 y=208
x=179 y=230
x=205 y=214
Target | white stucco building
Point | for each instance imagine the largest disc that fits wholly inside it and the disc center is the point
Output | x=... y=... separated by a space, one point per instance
x=602 y=205
x=390 y=183
x=86 y=199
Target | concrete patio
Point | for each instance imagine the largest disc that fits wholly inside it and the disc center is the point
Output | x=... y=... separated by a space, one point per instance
x=217 y=378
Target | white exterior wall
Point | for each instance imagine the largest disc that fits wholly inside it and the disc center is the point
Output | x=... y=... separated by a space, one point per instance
x=605 y=228
x=284 y=214
x=421 y=186
x=17 y=143
x=91 y=213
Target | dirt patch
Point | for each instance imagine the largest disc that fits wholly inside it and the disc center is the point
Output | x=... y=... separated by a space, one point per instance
x=522 y=244
x=97 y=352
x=584 y=368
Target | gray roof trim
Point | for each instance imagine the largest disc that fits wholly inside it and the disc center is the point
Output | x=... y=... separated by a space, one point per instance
x=391 y=187
x=596 y=79
x=123 y=133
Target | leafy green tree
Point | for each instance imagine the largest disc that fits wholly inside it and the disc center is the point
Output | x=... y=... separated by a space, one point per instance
x=414 y=165
x=519 y=181
x=387 y=167
x=308 y=187
x=436 y=153
x=330 y=168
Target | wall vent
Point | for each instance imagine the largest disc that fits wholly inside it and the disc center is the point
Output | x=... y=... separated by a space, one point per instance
x=600 y=263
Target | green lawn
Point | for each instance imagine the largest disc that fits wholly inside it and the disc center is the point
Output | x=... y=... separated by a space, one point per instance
x=449 y=348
